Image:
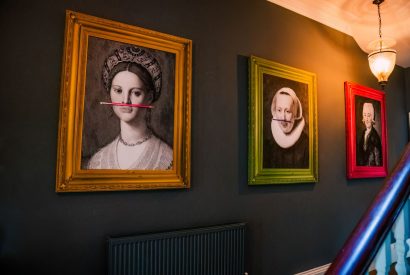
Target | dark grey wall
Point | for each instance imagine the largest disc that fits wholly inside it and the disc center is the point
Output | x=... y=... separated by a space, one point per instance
x=290 y=228
x=407 y=95
x=407 y=87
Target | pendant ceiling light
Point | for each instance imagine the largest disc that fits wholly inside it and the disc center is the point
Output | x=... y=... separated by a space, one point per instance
x=382 y=59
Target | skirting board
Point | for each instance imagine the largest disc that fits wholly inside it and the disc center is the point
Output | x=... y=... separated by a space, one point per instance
x=315 y=271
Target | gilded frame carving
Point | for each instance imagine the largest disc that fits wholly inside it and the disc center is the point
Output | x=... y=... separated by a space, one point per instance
x=82 y=32
x=267 y=161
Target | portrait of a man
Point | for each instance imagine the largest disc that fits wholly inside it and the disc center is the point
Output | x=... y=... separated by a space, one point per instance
x=286 y=140
x=366 y=132
x=368 y=142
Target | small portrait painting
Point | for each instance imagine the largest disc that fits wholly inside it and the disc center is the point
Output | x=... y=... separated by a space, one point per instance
x=286 y=123
x=366 y=132
x=283 y=145
x=368 y=129
x=128 y=107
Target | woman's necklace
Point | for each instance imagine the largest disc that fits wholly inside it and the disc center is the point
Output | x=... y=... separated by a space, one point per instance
x=138 y=142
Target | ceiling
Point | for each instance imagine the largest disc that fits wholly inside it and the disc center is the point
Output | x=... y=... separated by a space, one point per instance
x=359 y=19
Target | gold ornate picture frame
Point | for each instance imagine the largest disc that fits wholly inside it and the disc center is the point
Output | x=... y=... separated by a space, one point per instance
x=283 y=134
x=125 y=108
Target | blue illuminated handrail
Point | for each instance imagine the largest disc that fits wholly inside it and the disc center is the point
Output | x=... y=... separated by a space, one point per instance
x=363 y=243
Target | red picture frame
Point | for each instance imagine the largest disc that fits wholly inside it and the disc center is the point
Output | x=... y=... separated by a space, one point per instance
x=366 y=132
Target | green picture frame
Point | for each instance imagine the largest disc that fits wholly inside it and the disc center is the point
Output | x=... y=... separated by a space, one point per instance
x=283 y=139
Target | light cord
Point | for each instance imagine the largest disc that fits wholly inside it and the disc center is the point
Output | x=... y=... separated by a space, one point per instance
x=380 y=21
x=380 y=26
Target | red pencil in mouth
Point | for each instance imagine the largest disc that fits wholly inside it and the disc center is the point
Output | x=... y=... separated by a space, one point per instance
x=281 y=120
x=127 y=105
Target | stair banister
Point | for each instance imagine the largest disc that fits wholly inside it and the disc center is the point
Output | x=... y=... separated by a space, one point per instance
x=365 y=240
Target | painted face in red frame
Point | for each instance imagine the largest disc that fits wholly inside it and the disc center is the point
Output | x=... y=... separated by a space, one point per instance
x=368 y=115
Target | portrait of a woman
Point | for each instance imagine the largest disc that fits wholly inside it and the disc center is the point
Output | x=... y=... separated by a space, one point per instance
x=290 y=148
x=286 y=123
x=132 y=79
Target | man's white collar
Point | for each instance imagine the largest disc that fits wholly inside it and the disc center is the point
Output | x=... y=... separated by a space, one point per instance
x=286 y=140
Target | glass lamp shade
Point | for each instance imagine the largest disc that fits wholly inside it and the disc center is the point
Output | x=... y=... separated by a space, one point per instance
x=382 y=63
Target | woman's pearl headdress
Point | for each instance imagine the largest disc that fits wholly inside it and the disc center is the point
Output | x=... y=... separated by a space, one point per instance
x=138 y=56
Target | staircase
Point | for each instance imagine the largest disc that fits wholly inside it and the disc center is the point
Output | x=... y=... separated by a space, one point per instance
x=382 y=233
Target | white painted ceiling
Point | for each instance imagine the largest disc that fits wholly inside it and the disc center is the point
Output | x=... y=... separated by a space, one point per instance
x=359 y=19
